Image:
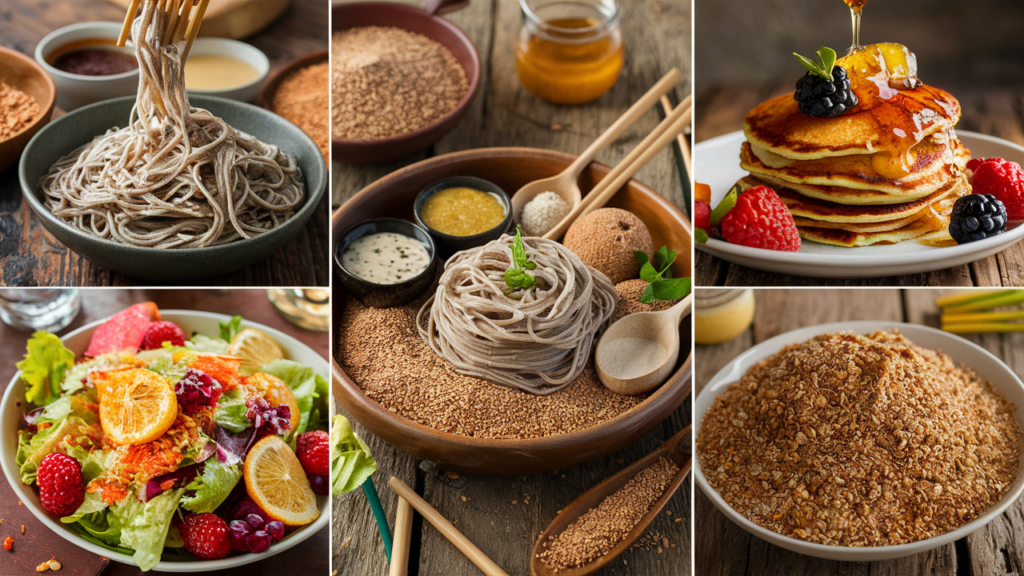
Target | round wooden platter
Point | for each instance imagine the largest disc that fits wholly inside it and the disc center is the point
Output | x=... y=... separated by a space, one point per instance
x=510 y=168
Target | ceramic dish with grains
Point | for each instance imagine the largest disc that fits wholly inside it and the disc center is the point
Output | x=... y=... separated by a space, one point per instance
x=77 y=341
x=923 y=449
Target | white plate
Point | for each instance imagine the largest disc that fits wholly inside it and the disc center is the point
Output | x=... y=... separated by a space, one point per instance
x=77 y=341
x=717 y=163
x=961 y=351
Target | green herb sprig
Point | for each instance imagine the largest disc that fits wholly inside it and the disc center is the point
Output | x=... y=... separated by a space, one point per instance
x=823 y=67
x=661 y=285
x=516 y=277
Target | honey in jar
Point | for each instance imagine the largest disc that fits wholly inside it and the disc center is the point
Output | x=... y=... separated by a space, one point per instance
x=569 y=52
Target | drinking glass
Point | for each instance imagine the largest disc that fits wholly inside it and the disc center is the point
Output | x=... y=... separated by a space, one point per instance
x=45 y=309
x=308 y=308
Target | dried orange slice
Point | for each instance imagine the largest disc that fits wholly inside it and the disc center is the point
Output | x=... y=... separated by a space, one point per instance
x=275 y=480
x=136 y=406
x=255 y=348
x=276 y=392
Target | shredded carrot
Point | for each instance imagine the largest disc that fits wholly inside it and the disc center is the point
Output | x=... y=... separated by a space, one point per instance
x=223 y=370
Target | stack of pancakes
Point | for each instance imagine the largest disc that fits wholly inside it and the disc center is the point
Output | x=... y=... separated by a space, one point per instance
x=887 y=171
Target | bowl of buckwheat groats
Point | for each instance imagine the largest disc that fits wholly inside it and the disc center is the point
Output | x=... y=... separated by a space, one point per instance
x=27 y=96
x=861 y=441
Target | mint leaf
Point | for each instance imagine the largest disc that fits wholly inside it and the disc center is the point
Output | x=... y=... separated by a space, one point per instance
x=515 y=277
x=673 y=289
x=648 y=296
x=648 y=273
x=660 y=257
x=641 y=257
x=827 y=56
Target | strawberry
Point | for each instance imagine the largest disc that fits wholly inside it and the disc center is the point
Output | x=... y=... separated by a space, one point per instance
x=206 y=536
x=314 y=452
x=760 y=220
x=124 y=331
x=1002 y=179
x=702 y=216
x=61 y=488
x=163 y=331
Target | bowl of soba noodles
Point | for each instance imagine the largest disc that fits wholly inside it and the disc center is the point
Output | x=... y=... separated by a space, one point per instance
x=169 y=187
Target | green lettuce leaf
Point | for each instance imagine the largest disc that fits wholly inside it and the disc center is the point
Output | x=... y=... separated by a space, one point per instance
x=92 y=504
x=144 y=525
x=310 y=391
x=230 y=412
x=43 y=368
x=31 y=451
x=103 y=528
x=351 y=461
x=203 y=343
x=212 y=487
x=228 y=331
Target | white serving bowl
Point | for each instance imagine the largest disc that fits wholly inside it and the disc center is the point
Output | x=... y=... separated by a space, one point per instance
x=240 y=51
x=77 y=341
x=75 y=90
x=960 y=350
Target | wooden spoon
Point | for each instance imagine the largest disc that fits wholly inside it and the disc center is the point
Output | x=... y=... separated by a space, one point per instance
x=677 y=448
x=659 y=327
x=565 y=184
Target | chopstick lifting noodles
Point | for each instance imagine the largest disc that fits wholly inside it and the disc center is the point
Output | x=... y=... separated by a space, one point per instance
x=176 y=176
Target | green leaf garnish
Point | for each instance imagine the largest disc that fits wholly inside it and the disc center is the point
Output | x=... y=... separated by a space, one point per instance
x=658 y=275
x=701 y=236
x=823 y=67
x=516 y=277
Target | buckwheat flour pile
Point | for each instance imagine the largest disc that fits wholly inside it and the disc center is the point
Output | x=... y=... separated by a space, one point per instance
x=852 y=440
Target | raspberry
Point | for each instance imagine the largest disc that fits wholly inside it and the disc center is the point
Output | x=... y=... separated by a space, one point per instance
x=61 y=489
x=206 y=536
x=161 y=332
x=761 y=220
x=702 y=216
x=314 y=452
x=1002 y=179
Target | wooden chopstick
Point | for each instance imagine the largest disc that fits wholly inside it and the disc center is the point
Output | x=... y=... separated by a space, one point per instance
x=399 y=564
x=179 y=32
x=446 y=529
x=193 y=29
x=684 y=147
x=126 y=28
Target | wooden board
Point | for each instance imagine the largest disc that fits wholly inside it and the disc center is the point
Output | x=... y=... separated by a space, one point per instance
x=234 y=18
x=722 y=547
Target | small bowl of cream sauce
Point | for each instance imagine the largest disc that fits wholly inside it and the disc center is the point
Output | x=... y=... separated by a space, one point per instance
x=226 y=68
x=386 y=262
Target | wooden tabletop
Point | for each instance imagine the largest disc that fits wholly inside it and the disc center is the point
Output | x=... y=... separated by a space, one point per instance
x=30 y=256
x=495 y=514
x=720 y=110
x=308 y=557
x=722 y=547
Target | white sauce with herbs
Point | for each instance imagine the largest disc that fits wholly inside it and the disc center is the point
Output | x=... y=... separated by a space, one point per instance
x=385 y=258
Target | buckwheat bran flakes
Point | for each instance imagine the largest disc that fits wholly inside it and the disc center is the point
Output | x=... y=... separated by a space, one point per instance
x=852 y=440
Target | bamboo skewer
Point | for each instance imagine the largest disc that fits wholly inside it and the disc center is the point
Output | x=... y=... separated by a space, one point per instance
x=399 y=563
x=446 y=529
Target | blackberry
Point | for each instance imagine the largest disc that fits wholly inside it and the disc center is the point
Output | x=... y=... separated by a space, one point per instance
x=976 y=217
x=824 y=92
x=821 y=98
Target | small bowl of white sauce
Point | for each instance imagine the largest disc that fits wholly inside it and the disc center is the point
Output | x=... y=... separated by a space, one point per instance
x=386 y=262
x=226 y=68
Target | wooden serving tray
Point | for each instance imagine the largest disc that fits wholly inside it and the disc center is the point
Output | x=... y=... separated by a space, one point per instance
x=235 y=19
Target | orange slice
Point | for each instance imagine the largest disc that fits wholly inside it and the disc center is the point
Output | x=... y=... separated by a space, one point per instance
x=255 y=348
x=136 y=406
x=275 y=480
x=276 y=392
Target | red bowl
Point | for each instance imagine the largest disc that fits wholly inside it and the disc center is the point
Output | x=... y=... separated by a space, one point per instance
x=357 y=14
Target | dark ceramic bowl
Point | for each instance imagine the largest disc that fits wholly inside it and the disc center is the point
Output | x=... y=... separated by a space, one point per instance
x=386 y=295
x=448 y=244
x=422 y=21
x=69 y=132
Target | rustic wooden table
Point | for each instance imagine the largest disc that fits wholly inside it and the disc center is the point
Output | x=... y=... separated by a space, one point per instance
x=30 y=256
x=38 y=543
x=495 y=514
x=722 y=547
x=720 y=110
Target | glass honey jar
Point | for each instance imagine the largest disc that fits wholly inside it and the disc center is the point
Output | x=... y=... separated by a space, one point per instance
x=569 y=51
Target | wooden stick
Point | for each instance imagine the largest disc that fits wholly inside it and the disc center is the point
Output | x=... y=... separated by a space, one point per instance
x=684 y=148
x=666 y=132
x=172 y=22
x=982 y=327
x=446 y=529
x=179 y=34
x=129 y=17
x=982 y=317
x=965 y=297
x=399 y=565
x=193 y=29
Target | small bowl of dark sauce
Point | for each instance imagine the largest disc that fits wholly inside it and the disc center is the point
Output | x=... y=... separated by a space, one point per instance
x=86 y=64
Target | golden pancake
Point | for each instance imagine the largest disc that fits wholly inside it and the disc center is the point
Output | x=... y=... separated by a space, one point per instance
x=939 y=208
x=876 y=124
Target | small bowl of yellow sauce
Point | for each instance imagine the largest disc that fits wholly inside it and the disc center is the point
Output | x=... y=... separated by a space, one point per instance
x=463 y=212
x=226 y=68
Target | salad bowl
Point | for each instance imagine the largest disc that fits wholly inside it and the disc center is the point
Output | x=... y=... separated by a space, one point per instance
x=11 y=407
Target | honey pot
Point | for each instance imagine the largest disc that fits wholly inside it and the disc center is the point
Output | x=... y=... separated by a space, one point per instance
x=569 y=51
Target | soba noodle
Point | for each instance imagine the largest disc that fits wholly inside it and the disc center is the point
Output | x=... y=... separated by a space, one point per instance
x=539 y=340
x=176 y=176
